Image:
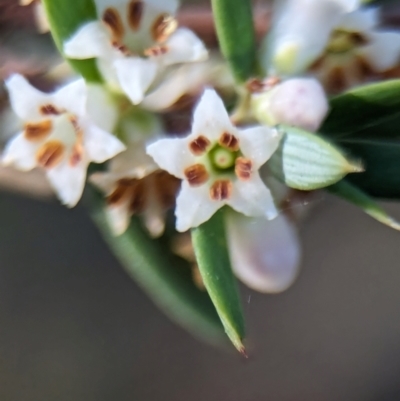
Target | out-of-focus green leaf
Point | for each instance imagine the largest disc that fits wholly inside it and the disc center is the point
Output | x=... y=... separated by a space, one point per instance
x=370 y=111
x=65 y=17
x=306 y=161
x=381 y=160
x=235 y=29
x=165 y=277
x=212 y=255
x=359 y=198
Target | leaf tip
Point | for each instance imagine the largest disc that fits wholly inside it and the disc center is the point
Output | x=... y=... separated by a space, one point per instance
x=354 y=167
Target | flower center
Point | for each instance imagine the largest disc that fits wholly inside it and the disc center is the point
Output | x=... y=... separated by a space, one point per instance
x=344 y=41
x=222 y=158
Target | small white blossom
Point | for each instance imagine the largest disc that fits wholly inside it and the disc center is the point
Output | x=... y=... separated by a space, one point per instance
x=299 y=102
x=133 y=183
x=42 y=22
x=300 y=31
x=265 y=255
x=58 y=136
x=218 y=164
x=134 y=41
x=357 y=51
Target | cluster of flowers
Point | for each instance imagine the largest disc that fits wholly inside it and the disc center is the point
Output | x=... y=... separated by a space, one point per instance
x=151 y=65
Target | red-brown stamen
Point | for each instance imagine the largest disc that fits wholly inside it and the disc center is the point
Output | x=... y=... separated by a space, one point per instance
x=196 y=175
x=229 y=141
x=49 y=109
x=163 y=27
x=243 y=168
x=113 y=21
x=38 y=131
x=135 y=13
x=199 y=145
x=50 y=154
x=221 y=190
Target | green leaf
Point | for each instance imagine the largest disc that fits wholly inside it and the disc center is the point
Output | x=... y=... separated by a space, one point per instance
x=65 y=17
x=381 y=160
x=306 y=161
x=370 y=111
x=165 y=277
x=212 y=255
x=236 y=36
x=359 y=198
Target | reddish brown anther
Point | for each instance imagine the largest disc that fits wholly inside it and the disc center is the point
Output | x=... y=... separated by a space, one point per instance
x=221 y=190
x=155 y=51
x=113 y=21
x=49 y=109
x=38 y=131
x=199 y=145
x=163 y=27
x=229 y=141
x=243 y=168
x=135 y=13
x=196 y=175
x=50 y=154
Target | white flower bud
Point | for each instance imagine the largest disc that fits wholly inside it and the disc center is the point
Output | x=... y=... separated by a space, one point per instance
x=265 y=255
x=300 y=102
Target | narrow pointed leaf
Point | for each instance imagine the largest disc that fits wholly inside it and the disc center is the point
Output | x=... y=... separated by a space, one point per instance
x=381 y=160
x=306 y=161
x=210 y=246
x=236 y=36
x=65 y=17
x=165 y=277
x=370 y=111
x=352 y=194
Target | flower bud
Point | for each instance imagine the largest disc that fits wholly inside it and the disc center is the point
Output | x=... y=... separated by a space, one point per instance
x=300 y=102
x=265 y=254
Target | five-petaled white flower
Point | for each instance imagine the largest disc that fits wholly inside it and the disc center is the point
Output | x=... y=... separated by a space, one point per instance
x=357 y=51
x=134 y=41
x=133 y=183
x=58 y=135
x=218 y=164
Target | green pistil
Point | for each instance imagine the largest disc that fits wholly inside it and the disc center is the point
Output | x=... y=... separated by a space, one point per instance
x=222 y=159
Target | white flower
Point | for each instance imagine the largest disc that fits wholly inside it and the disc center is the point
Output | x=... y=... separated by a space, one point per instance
x=218 y=164
x=300 y=31
x=357 y=51
x=134 y=41
x=133 y=183
x=300 y=102
x=265 y=254
x=57 y=136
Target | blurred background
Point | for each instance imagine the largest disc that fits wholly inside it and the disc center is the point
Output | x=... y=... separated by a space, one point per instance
x=74 y=327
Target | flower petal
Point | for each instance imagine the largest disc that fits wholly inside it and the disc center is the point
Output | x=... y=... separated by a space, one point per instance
x=383 y=52
x=72 y=97
x=300 y=32
x=265 y=254
x=24 y=98
x=259 y=143
x=68 y=181
x=362 y=20
x=210 y=117
x=100 y=145
x=20 y=153
x=253 y=198
x=194 y=206
x=172 y=155
x=183 y=47
x=101 y=108
x=135 y=75
x=90 y=41
x=118 y=218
